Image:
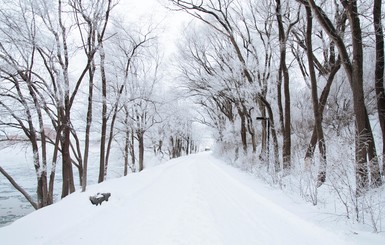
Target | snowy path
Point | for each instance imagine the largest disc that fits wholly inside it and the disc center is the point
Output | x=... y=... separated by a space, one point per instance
x=190 y=200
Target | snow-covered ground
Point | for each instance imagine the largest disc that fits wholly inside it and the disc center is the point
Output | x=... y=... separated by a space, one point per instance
x=191 y=200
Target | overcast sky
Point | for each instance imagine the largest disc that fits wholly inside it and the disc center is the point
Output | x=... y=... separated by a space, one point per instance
x=171 y=23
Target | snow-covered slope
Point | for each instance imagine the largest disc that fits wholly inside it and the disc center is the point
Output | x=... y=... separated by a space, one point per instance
x=191 y=200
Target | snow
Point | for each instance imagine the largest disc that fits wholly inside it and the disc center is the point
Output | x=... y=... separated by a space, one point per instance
x=196 y=199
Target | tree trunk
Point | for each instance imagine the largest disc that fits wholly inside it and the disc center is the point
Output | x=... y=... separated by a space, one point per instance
x=243 y=128
x=251 y=130
x=65 y=109
x=132 y=151
x=41 y=170
x=264 y=144
x=286 y=148
x=54 y=163
x=140 y=136
x=365 y=146
x=252 y=135
x=365 y=141
x=91 y=72
x=187 y=150
x=277 y=165
x=36 y=163
x=126 y=149
x=102 y=166
x=322 y=102
x=112 y=126
x=279 y=102
x=379 y=72
x=314 y=93
x=68 y=184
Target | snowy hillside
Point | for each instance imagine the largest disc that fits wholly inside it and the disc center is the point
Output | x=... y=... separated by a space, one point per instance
x=191 y=200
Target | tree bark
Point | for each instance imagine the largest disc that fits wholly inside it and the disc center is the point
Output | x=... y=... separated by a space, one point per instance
x=102 y=165
x=286 y=148
x=365 y=141
x=379 y=72
x=68 y=185
x=132 y=151
x=277 y=165
x=140 y=136
x=322 y=102
x=91 y=72
x=314 y=93
x=126 y=149
x=243 y=131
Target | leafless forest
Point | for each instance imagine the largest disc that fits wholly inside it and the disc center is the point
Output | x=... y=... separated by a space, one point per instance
x=289 y=88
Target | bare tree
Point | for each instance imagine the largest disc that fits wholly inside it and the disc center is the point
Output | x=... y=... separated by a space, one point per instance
x=68 y=95
x=314 y=93
x=20 y=87
x=144 y=106
x=218 y=16
x=91 y=19
x=126 y=48
x=365 y=146
x=327 y=66
x=45 y=81
x=283 y=76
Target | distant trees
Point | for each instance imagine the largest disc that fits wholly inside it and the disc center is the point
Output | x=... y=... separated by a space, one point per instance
x=125 y=53
x=143 y=103
x=231 y=72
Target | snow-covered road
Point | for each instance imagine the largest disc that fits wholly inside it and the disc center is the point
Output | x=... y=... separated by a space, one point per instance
x=190 y=200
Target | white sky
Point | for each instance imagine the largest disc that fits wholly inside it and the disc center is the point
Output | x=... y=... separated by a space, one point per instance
x=170 y=22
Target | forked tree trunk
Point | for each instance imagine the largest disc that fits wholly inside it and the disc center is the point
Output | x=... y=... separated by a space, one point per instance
x=284 y=73
x=365 y=147
x=314 y=93
x=322 y=102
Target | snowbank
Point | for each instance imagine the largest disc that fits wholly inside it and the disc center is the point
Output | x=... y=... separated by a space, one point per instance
x=190 y=200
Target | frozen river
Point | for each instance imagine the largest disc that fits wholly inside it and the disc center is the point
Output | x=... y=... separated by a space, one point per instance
x=13 y=205
x=18 y=163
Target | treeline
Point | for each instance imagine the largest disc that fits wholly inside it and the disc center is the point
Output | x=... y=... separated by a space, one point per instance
x=265 y=71
x=75 y=75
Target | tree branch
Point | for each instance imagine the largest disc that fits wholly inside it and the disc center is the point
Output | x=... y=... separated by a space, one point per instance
x=19 y=188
